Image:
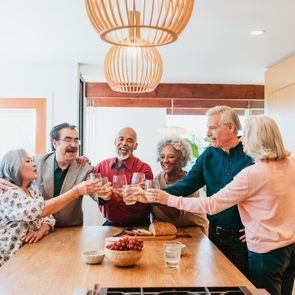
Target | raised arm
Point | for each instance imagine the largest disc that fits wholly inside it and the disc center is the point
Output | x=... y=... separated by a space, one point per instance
x=55 y=204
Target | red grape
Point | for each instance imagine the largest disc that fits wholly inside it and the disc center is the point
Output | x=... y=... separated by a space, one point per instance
x=127 y=243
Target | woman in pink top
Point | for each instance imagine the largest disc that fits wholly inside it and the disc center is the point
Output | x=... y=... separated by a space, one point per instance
x=265 y=195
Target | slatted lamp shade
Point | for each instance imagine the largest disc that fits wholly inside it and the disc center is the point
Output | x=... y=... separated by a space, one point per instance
x=158 y=22
x=133 y=69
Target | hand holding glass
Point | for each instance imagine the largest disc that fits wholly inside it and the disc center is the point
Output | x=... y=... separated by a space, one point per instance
x=104 y=191
x=130 y=194
x=151 y=184
x=95 y=176
x=119 y=181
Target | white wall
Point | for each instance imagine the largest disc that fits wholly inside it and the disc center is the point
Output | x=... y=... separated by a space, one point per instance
x=102 y=126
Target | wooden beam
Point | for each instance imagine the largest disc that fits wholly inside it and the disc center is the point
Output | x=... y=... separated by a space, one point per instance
x=129 y=102
x=196 y=111
x=168 y=103
x=184 y=91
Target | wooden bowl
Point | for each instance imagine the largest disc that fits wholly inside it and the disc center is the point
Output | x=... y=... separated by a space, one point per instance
x=123 y=258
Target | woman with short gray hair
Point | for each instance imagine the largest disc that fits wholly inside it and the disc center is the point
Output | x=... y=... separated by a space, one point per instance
x=173 y=154
x=24 y=215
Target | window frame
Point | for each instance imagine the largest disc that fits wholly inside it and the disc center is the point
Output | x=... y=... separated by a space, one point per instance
x=39 y=104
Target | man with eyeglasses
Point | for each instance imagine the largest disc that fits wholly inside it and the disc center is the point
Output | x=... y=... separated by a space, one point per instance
x=59 y=171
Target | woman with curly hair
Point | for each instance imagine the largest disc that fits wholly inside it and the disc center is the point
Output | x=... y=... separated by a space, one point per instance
x=173 y=154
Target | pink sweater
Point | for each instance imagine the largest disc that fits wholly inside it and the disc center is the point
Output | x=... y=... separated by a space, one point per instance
x=265 y=194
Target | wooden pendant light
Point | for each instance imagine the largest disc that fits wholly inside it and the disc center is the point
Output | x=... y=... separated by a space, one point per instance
x=157 y=22
x=133 y=69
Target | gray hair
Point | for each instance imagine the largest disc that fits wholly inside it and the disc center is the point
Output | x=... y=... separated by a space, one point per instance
x=10 y=166
x=226 y=115
x=180 y=145
x=263 y=139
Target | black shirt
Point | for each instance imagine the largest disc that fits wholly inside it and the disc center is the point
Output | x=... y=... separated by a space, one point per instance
x=59 y=177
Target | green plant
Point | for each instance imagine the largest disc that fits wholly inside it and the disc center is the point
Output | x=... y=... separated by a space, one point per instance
x=197 y=145
x=194 y=147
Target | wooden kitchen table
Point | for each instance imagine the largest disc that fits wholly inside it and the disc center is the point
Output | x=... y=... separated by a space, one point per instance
x=54 y=265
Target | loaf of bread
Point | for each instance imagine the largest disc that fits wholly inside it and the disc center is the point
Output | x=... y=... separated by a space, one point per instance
x=161 y=228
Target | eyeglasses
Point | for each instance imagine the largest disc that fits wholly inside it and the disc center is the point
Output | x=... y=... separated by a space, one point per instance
x=70 y=140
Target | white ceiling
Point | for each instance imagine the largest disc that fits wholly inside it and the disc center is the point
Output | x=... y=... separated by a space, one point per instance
x=214 y=48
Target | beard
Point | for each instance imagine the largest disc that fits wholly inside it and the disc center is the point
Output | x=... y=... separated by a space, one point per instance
x=123 y=157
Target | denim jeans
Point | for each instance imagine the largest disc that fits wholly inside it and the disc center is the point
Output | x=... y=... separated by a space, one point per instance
x=273 y=271
x=235 y=250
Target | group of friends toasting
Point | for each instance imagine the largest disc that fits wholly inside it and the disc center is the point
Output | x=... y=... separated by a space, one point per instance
x=250 y=186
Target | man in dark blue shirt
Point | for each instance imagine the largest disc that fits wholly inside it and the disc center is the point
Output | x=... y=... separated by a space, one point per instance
x=215 y=168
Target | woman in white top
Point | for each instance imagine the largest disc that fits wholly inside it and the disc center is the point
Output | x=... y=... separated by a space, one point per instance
x=24 y=215
x=265 y=195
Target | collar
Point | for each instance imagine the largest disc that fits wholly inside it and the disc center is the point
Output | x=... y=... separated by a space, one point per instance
x=55 y=166
x=234 y=150
x=125 y=164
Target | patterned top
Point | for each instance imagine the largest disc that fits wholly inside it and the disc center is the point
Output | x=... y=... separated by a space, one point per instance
x=19 y=214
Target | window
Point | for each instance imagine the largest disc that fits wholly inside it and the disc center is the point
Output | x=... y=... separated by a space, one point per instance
x=23 y=125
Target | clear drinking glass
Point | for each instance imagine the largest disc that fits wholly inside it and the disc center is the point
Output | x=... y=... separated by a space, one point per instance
x=138 y=178
x=95 y=176
x=172 y=252
x=119 y=181
x=106 y=188
x=151 y=184
x=130 y=195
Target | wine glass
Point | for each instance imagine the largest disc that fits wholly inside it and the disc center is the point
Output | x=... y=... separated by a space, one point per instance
x=137 y=178
x=119 y=181
x=104 y=180
x=151 y=184
x=106 y=188
x=95 y=176
x=130 y=194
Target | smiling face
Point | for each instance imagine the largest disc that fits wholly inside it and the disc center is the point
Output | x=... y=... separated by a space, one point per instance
x=28 y=170
x=222 y=136
x=169 y=160
x=66 y=148
x=125 y=143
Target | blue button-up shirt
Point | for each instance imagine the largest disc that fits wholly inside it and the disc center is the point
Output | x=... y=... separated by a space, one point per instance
x=214 y=169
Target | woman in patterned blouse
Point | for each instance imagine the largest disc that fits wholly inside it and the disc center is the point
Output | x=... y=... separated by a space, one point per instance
x=24 y=215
